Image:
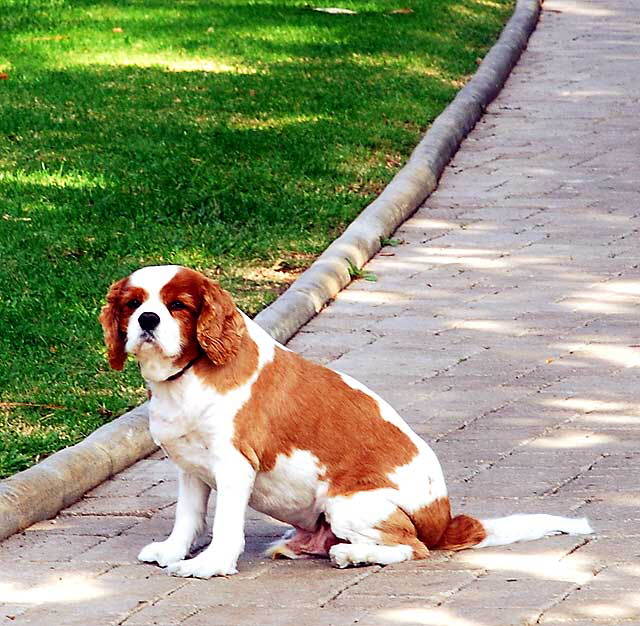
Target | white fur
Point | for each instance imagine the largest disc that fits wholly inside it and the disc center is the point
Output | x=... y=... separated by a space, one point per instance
x=191 y=510
x=346 y=554
x=292 y=491
x=154 y=357
x=523 y=527
x=355 y=517
x=234 y=480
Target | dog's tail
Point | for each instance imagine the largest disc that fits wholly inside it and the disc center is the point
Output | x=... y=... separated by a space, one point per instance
x=464 y=531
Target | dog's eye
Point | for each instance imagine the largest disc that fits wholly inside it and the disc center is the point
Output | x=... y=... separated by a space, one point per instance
x=177 y=305
x=134 y=304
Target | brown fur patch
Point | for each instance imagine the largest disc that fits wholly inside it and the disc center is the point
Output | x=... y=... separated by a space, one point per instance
x=438 y=530
x=298 y=405
x=233 y=372
x=220 y=326
x=209 y=322
x=462 y=532
x=398 y=529
x=114 y=318
x=432 y=520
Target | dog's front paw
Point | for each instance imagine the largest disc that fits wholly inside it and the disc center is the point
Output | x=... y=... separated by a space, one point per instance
x=201 y=568
x=162 y=552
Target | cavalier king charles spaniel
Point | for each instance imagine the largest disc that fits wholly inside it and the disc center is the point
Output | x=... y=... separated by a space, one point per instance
x=239 y=413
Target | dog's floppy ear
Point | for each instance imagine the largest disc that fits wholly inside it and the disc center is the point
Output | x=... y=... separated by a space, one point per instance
x=220 y=325
x=110 y=320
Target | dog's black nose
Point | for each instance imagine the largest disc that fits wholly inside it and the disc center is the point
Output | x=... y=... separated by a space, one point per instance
x=148 y=321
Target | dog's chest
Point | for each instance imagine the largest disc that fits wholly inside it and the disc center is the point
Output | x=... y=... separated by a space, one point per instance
x=193 y=433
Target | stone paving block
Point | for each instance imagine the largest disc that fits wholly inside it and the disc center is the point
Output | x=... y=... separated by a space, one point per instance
x=9 y=611
x=149 y=469
x=623 y=606
x=484 y=507
x=536 y=481
x=99 y=526
x=558 y=559
x=276 y=586
x=111 y=488
x=156 y=528
x=44 y=547
x=452 y=615
x=509 y=592
x=165 y=488
x=31 y=585
x=138 y=506
x=275 y=616
x=99 y=606
x=165 y=612
x=121 y=549
x=395 y=585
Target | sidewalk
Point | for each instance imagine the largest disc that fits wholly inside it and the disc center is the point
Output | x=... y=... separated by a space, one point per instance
x=505 y=328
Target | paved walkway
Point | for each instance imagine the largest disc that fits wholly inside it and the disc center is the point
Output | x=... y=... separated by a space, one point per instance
x=504 y=327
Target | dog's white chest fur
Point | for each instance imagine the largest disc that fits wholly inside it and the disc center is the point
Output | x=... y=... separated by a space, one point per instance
x=194 y=428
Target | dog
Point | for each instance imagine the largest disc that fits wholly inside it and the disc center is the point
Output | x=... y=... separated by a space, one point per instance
x=239 y=413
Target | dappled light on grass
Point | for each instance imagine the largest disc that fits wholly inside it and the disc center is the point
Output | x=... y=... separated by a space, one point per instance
x=67 y=589
x=245 y=122
x=225 y=136
x=170 y=64
x=48 y=178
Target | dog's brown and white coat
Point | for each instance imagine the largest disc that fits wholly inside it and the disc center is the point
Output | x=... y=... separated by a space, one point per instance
x=307 y=445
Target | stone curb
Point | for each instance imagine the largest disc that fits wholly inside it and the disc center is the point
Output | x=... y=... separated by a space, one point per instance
x=41 y=491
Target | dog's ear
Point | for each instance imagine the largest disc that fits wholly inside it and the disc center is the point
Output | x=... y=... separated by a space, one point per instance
x=110 y=320
x=220 y=324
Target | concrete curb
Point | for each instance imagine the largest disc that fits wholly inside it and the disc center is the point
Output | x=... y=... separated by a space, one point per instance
x=60 y=480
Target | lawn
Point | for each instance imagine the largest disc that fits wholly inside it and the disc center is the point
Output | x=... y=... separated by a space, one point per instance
x=235 y=137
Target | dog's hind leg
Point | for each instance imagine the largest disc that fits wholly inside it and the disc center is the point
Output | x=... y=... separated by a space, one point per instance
x=376 y=531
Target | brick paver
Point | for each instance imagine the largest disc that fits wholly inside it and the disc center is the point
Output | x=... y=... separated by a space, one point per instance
x=505 y=329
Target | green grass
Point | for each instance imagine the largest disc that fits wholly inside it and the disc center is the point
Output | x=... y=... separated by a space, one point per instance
x=235 y=137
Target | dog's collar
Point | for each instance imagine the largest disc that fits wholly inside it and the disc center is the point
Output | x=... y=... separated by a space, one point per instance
x=188 y=366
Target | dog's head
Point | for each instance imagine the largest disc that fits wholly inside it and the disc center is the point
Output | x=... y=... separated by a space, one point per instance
x=167 y=316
